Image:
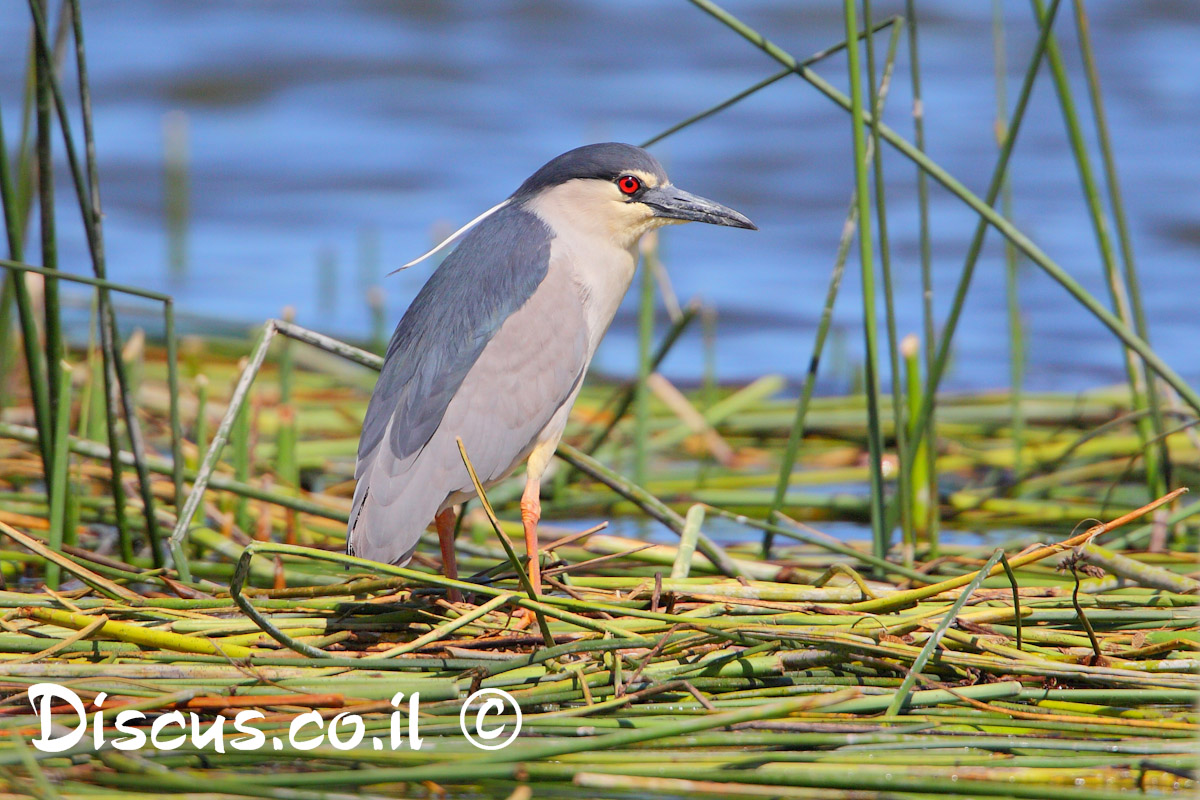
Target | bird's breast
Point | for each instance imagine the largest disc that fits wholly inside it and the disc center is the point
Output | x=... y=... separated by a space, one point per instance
x=600 y=273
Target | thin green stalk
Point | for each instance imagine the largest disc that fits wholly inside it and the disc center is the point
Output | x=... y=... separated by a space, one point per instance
x=647 y=502
x=175 y=195
x=239 y=443
x=926 y=249
x=1117 y=206
x=257 y=354
x=1016 y=335
x=95 y=416
x=87 y=193
x=200 y=425
x=796 y=432
x=778 y=76
x=59 y=472
x=982 y=207
x=173 y=410
x=641 y=401
x=623 y=398
x=885 y=271
x=901 y=696
x=1155 y=479
x=692 y=523
x=708 y=390
x=918 y=498
x=14 y=229
x=52 y=319
x=17 y=266
x=286 y=467
x=513 y=559
x=879 y=535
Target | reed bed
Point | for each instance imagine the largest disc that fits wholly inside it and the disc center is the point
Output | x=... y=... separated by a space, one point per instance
x=1066 y=670
x=1020 y=622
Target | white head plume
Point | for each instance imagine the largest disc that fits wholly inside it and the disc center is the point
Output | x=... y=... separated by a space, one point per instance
x=454 y=236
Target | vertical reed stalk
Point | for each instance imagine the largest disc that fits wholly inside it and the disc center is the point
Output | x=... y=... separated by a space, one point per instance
x=52 y=320
x=986 y=212
x=918 y=497
x=200 y=426
x=1016 y=334
x=796 y=433
x=641 y=402
x=1118 y=294
x=1117 y=206
x=926 y=248
x=999 y=172
x=173 y=410
x=14 y=229
x=239 y=442
x=708 y=391
x=95 y=417
x=885 y=265
x=176 y=205
x=286 y=468
x=88 y=196
x=58 y=472
x=867 y=264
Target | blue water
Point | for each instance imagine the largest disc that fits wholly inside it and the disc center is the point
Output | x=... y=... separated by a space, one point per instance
x=313 y=124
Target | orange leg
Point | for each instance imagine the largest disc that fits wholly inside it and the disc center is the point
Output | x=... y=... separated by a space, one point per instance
x=445 y=529
x=531 y=512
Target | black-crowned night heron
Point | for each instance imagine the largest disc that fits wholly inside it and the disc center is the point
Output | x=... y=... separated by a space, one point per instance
x=495 y=346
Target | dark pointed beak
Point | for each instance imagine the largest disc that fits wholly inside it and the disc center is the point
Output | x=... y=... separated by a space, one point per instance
x=672 y=203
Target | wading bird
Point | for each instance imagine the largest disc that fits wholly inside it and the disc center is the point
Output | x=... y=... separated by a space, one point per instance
x=495 y=346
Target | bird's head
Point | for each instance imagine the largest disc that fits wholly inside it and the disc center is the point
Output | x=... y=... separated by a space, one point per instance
x=616 y=190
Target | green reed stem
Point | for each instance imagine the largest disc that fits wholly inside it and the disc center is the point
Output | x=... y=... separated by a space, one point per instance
x=647 y=502
x=764 y=83
x=58 y=472
x=7 y=288
x=979 y=205
x=286 y=467
x=885 y=271
x=14 y=228
x=52 y=318
x=862 y=183
x=239 y=443
x=200 y=424
x=1117 y=206
x=796 y=433
x=257 y=354
x=926 y=249
x=1016 y=335
x=641 y=397
x=708 y=381
x=622 y=399
x=901 y=696
x=918 y=497
x=173 y=409
x=692 y=523
x=87 y=193
x=1155 y=482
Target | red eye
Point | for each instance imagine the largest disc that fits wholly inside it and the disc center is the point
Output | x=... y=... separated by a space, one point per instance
x=628 y=184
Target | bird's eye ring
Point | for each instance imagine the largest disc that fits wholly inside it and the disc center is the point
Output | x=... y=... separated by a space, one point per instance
x=628 y=184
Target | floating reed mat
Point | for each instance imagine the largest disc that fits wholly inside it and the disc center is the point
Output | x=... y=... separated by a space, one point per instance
x=1060 y=670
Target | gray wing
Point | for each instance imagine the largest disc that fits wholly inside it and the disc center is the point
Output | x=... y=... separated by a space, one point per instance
x=491 y=274
x=519 y=383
